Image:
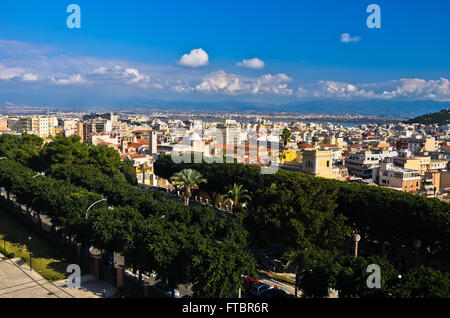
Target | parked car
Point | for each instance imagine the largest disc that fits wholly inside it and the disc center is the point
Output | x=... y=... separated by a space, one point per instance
x=165 y=288
x=248 y=282
x=256 y=289
x=273 y=293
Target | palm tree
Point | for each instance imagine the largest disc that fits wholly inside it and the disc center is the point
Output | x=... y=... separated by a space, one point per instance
x=235 y=195
x=286 y=135
x=187 y=180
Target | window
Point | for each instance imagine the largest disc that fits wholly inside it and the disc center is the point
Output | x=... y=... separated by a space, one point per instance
x=328 y=164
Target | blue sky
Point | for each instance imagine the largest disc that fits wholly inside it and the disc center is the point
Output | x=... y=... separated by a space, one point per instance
x=243 y=50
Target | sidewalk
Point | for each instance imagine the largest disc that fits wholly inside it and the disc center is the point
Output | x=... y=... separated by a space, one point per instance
x=18 y=281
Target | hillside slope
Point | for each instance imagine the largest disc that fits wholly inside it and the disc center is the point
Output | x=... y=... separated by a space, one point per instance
x=440 y=118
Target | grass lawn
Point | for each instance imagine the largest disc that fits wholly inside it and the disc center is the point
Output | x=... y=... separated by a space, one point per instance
x=281 y=278
x=48 y=261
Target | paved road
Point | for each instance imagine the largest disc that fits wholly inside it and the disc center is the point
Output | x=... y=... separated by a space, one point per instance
x=182 y=289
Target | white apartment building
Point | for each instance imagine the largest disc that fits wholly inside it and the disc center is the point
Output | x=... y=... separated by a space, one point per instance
x=230 y=132
x=96 y=126
x=38 y=125
x=363 y=164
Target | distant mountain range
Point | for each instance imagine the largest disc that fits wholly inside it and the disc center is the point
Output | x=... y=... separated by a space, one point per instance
x=405 y=109
x=376 y=107
x=440 y=118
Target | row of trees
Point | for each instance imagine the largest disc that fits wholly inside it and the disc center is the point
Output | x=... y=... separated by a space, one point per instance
x=30 y=150
x=190 y=244
x=299 y=209
x=114 y=187
x=317 y=271
x=180 y=244
x=282 y=208
x=313 y=217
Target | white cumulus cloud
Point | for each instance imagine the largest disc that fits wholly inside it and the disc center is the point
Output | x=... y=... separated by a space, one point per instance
x=132 y=76
x=416 y=87
x=74 y=79
x=254 y=63
x=233 y=84
x=196 y=58
x=346 y=38
x=407 y=89
x=8 y=73
x=101 y=70
x=30 y=77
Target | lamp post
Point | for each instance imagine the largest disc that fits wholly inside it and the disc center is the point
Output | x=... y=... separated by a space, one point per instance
x=356 y=239
x=93 y=205
x=39 y=174
x=31 y=266
x=417 y=244
x=88 y=211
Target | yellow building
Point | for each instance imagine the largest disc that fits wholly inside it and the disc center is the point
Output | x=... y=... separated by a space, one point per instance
x=58 y=131
x=318 y=163
x=291 y=157
x=421 y=164
x=430 y=144
x=288 y=155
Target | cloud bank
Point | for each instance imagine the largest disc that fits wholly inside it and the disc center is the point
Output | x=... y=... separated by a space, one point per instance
x=46 y=72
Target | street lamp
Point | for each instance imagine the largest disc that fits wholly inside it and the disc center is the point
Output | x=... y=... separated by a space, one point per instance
x=93 y=205
x=39 y=174
x=31 y=266
x=356 y=239
x=417 y=244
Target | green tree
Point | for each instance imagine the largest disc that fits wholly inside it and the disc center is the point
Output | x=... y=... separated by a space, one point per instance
x=286 y=136
x=63 y=150
x=220 y=260
x=113 y=228
x=423 y=282
x=22 y=149
x=105 y=158
x=126 y=167
x=236 y=195
x=187 y=179
x=316 y=269
x=352 y=275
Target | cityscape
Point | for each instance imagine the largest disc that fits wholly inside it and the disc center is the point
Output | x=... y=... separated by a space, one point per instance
x=175 y=164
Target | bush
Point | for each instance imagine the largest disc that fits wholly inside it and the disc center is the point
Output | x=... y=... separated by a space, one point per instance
x=6 y=254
